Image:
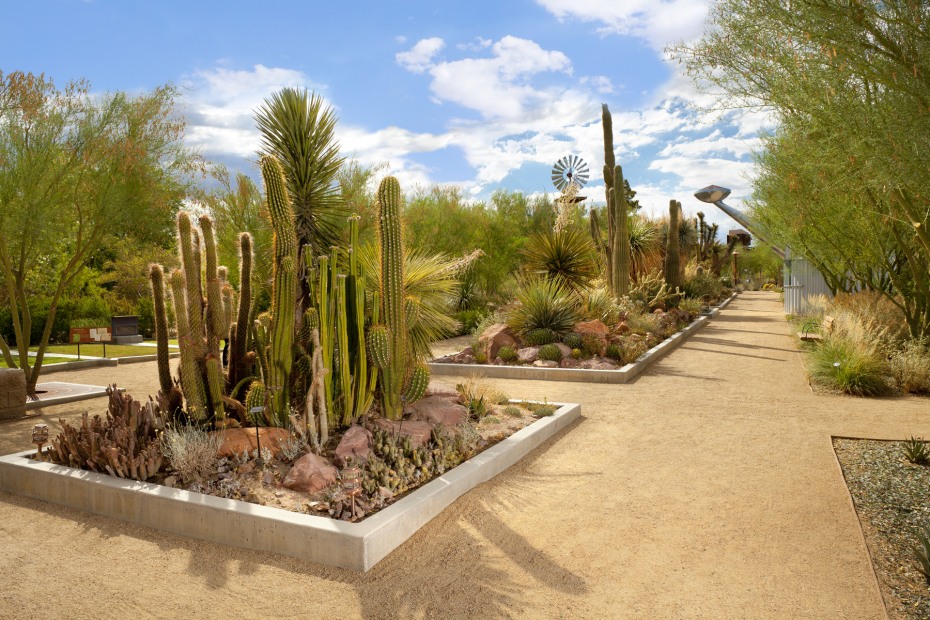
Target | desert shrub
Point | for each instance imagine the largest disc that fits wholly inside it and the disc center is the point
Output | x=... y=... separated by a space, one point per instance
x=191 y=452
x=573 y=340
x=591 y=345
x=642 y=323
x=690 y=305
x=469 y=320
x=544 y=304
x=477 y=388
x=550 y=352
x=868 y=318
x=481 y=357
x=633 y=350
x=507 y=353
x=702 y=286
x=613 y=352
x=597 y=303
x=909 y=366
x=848 y=366
x=512 y=411
x=566 y=257
x=291 y=448
x=539 y=337
x=541 y=410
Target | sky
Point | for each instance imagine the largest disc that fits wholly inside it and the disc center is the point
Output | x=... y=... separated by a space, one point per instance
x=480 y=94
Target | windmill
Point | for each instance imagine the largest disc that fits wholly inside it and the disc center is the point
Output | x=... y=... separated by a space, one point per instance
x=569 y=175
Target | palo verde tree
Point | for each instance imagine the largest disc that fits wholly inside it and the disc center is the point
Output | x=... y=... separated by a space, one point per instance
x=76 y=171
x=843 y=176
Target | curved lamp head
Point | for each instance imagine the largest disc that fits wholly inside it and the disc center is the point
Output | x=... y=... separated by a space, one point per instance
x=712 y=194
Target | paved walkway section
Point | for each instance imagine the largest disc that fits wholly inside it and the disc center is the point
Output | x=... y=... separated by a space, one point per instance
x=706 y=488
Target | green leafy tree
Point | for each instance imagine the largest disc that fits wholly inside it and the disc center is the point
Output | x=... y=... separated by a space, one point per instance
x=75 y=171
x=843 y=177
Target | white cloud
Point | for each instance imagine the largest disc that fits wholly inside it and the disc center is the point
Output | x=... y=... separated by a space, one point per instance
x=496 y=87
x=221 y=103
x=659 y=22
x=601 y=83
x=419 y=58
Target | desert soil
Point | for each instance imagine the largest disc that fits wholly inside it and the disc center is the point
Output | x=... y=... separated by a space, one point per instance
x=706 y=488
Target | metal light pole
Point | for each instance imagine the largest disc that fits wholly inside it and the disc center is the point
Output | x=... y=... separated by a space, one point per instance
x=714 y=194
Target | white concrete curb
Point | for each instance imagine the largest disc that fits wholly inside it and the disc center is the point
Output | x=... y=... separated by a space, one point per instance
x=356 y=546
x=621 y=375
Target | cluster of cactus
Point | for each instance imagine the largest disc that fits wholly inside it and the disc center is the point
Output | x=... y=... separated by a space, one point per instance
x=539 y=336
x=201 y=324
x=672 y=252
x=617 y=250
x=707 y=236
x=125 y=444
x=613 y=351
x=550 y=352
x=397 y=466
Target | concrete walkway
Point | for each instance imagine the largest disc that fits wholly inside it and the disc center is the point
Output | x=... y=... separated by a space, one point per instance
x=706 y=488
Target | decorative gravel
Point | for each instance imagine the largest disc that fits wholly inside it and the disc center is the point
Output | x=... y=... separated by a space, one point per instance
x=892 y=498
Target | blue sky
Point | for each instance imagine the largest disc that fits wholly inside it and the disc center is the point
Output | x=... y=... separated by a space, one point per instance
x=479 y=94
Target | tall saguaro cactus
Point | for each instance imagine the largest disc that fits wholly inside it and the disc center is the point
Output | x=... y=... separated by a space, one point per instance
x=392 y=296
x=191 y=374
x=618 y=236
x=238 y=363
x=284 y=288
x=157 y=275
x=672 y=252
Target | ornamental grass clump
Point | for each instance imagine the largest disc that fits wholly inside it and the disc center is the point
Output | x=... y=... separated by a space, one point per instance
x=909 y=366
x=849 y=367
x=544 y=304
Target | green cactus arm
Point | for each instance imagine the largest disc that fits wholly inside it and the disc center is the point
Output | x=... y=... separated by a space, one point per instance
x=240 y=344
x=157 y=276
x=216 y=312
x=392 y=294
x=191 y=377
x=192 y=301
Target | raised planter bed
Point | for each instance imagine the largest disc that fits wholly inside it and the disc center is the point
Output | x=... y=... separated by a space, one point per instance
x=621 y=375
x=356 y=546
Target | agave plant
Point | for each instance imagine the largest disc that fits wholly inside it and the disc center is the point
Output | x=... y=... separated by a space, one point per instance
x=544 y=304
x=299 y=128
x=567 y=257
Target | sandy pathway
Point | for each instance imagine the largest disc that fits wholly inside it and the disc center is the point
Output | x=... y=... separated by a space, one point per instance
x=707 y=488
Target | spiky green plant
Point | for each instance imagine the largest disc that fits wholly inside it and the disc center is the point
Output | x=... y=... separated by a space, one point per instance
x=645 y=244
x=299 y=129
x=566 y=256
x=922 y=552
x=539 y=337
x=544 y=304
x=618 y=254
x=573 y=341
x=191 y=373
x=216 y=326
x=915 y=450
x=507 y=353
x=284 y=296
x=239 y=344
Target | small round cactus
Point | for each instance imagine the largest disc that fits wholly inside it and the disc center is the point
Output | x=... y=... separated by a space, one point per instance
x=550 y=352
x=613 y=351
x=538 y=337
x=576 y=353
x=507 y=353
x=573 y=341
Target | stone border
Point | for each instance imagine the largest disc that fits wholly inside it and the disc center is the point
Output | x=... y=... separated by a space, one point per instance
x=101 y=361
x=356 y=546
x=588 y=375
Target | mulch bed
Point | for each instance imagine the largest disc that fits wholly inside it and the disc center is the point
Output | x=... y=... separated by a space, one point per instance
x=892 y=498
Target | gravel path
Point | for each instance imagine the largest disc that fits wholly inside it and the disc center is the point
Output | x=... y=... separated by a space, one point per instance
x=706 y=488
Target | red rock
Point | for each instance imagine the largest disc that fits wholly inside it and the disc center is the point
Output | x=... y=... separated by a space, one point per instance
x=441 y=389
x=564 y=349
x=419 y=432
x=495 y=337
x=528 y=355
x=239 y=440
x=438 y=410
x=595 y=327
x=355 y=443
x=311 y=473
x=622 y=328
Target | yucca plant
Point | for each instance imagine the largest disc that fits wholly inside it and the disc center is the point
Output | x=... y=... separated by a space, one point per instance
x=544 y=304
x=915 y=450
x=849 y=367
x=299 y=128
x=645 y=244
x=567 y=256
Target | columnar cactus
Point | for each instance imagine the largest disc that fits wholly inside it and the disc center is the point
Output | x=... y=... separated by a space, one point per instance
x=238 y=365
x=419 y=381
x=157 y=275
x=672 y=253
x=190 y=263
x=216 y=386
x=618 y=236
x=191 y=376
x=392 y=296
x=284 y=289
x=216 y=326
